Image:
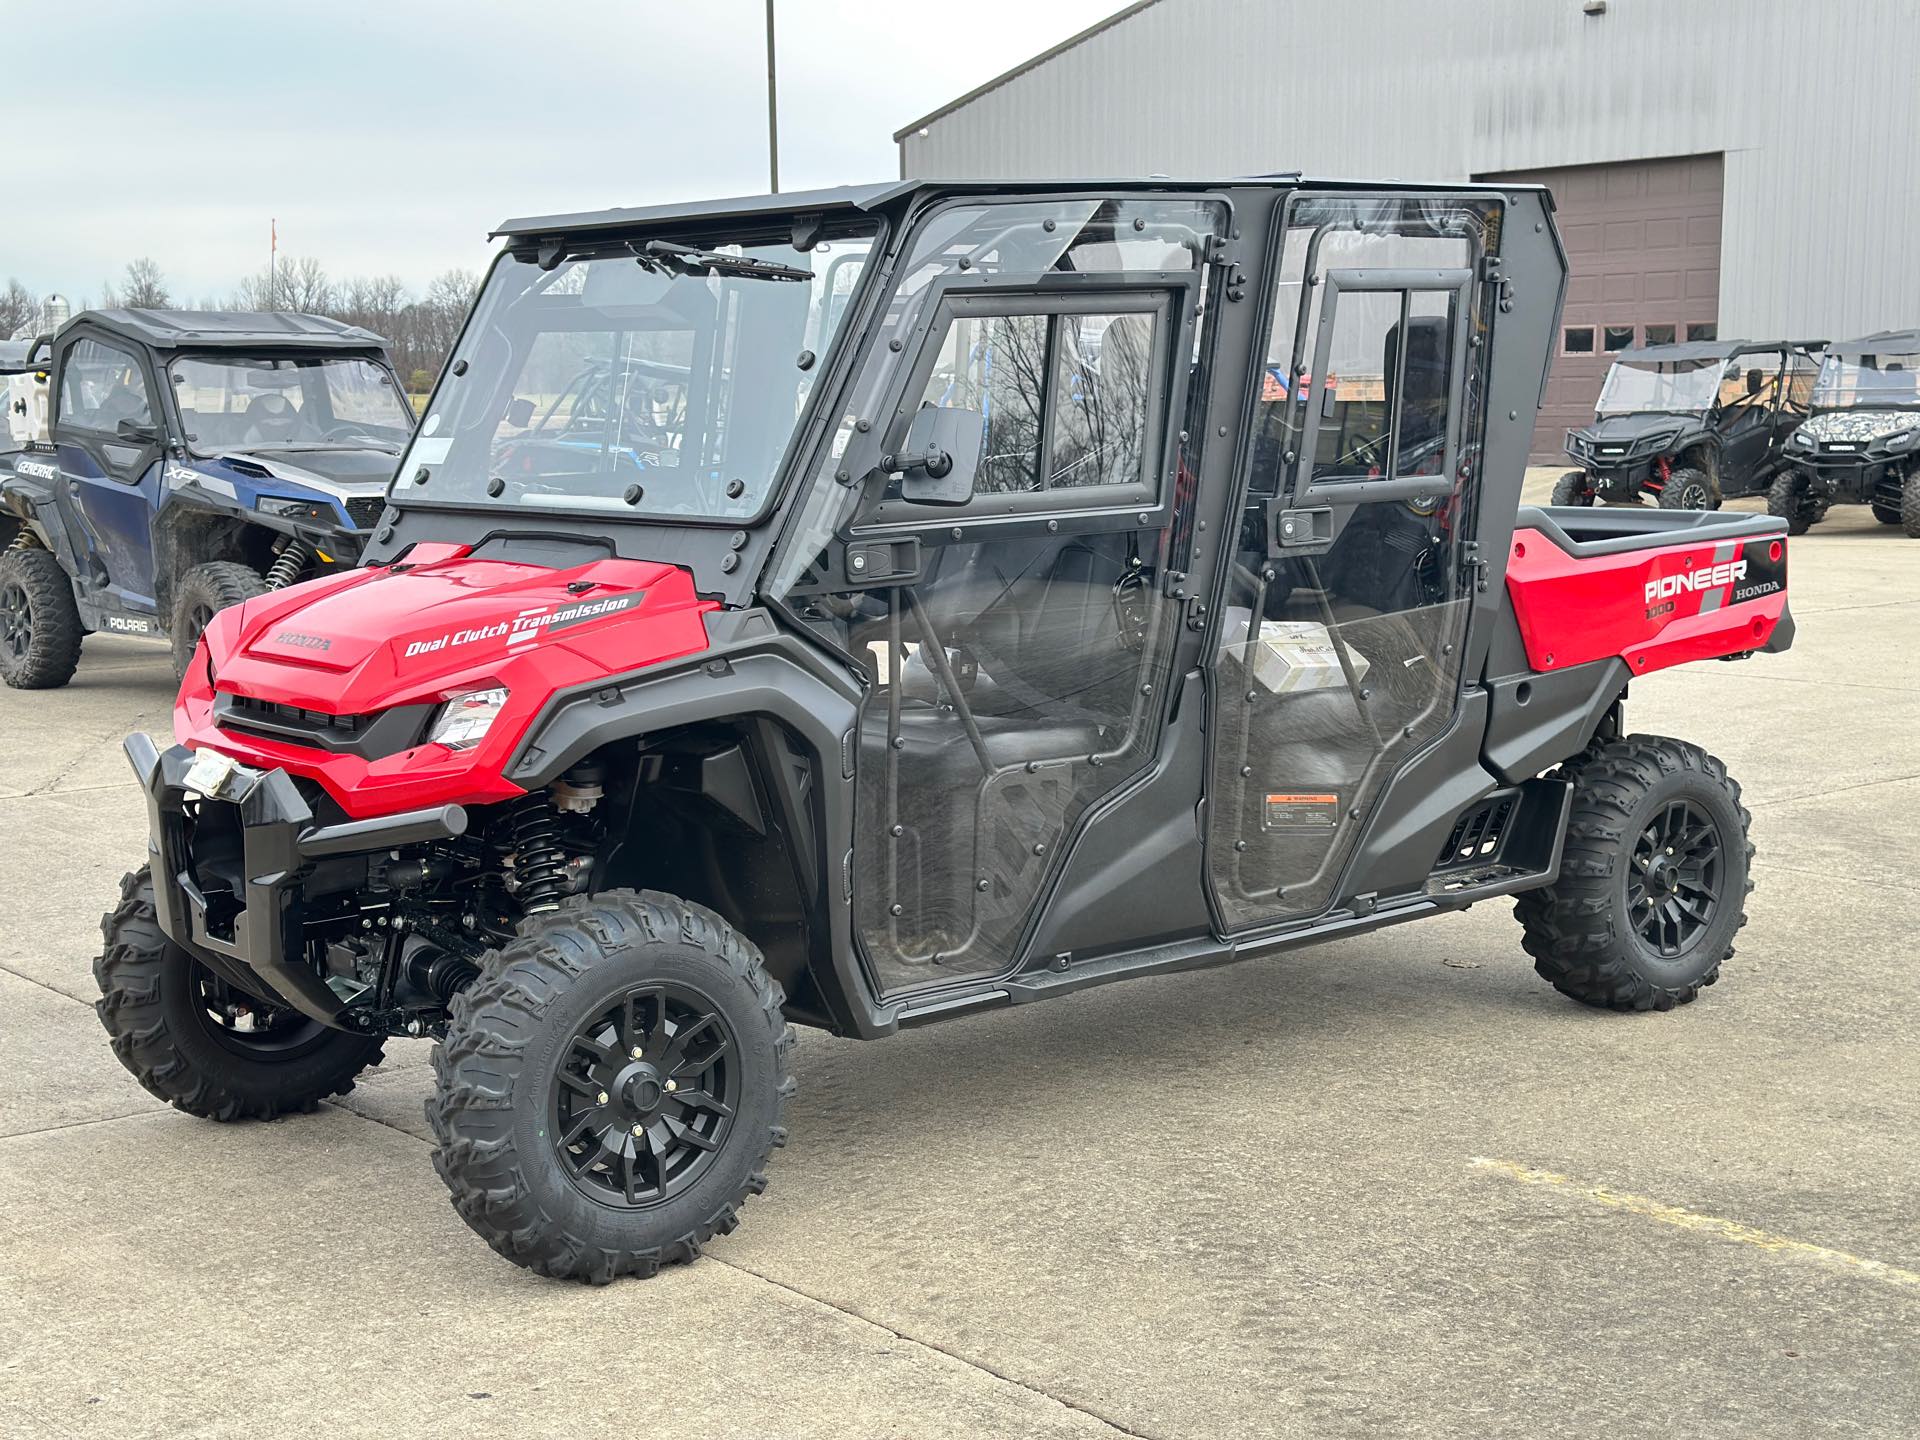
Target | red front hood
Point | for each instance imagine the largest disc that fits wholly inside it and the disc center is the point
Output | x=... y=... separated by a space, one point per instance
x=439 y=623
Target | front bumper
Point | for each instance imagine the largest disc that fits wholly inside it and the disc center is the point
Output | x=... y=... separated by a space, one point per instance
x=1613 y=477
x=241 y=912
x=1847 y=476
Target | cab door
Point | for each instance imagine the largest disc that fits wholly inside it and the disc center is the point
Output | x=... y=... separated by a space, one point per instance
x=1750 y=415
x=1346 y=605
x=1018 y=638
x=107 y=435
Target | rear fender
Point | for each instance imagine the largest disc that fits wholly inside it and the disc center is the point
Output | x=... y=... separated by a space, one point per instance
x=1651 y=588
x=27 y=500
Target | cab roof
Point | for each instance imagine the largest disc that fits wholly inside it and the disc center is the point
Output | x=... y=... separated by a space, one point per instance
x=1883 y=342
x=877 y=196
x=235 y=329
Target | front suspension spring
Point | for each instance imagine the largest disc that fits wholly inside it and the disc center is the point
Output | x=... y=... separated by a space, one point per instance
x=288 y=564
x=539 y=864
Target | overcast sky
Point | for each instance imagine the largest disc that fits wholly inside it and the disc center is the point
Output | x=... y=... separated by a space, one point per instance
x=390 y=136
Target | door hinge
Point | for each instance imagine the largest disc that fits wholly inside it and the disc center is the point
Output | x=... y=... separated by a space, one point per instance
x=1494 y=274
x=1474 y=564
x=1226 y=253
x=1222 y=250
x=1196 y=613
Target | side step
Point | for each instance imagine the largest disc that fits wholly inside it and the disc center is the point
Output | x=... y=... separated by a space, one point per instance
x=1509 y=841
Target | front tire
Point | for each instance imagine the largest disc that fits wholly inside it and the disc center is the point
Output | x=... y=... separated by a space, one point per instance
x=1653 y=882
x=1573 y=488
x=1690 y=489
x=202 y=593
x=200 y=1046
x=40 y=630
x=610 y=1089
x=1910 y=504
x=1787 y=499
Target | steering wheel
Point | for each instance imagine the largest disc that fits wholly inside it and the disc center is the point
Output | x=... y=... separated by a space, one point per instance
x=1371 y=452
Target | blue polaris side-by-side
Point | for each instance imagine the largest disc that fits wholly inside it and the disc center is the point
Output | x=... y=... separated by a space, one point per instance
x=190 y=459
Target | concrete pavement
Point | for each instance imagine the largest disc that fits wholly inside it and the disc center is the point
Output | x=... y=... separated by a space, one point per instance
x=1244 y=1202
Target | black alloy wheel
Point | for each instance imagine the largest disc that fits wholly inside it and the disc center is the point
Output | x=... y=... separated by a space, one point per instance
x=1675 y=878
x=202 y=593
x=610 y=1088
x=1688 y=488
x=16 y=622
x=237 y=1022
x=647 y=1093
x=201 y=1045
x=1653 y=883
x=40 y=629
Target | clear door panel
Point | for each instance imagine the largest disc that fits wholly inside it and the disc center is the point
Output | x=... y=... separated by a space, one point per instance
x=1011 y=693
x=1017 y=643
x=1338 y=659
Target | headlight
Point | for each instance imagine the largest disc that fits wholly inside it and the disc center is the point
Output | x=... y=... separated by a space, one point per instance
x=1802 y=439
x=464 y=720
x=1900 y=440
x=318 y=511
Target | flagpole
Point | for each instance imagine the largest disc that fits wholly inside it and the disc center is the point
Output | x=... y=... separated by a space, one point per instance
x=773 y=113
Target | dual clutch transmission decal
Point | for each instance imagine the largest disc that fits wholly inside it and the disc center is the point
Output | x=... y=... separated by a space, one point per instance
x=529 y=625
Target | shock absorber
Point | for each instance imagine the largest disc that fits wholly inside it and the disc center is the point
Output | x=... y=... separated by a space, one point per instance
x=288 y=564
x=539 y=864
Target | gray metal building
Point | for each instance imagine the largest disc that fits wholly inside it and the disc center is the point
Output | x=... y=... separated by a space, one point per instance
x=1740 y=167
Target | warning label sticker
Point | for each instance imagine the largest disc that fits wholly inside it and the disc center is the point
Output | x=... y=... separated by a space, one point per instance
x=1296 y=810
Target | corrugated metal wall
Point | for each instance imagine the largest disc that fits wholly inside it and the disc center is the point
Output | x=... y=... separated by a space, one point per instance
x=1816 y=104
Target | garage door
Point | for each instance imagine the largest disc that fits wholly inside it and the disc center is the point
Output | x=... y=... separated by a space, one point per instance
x=1643 y=243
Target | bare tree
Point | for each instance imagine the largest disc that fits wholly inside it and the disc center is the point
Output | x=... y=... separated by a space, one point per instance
x=19 y=311
x=254 y=292
x=295 y=284
x=438 y=317
x=372 y=301
x=146 y=287
x=303 y=285
x=419 y=331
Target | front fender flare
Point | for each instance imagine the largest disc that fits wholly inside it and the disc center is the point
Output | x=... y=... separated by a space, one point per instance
x=753 y=669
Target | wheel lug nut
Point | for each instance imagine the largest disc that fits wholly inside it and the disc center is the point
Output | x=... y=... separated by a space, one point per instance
x=639 y=1130
x=672 y=1085
x=636 y=1052
x=603 y=1098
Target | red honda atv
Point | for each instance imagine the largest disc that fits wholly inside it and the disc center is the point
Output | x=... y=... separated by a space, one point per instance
x=868 y=607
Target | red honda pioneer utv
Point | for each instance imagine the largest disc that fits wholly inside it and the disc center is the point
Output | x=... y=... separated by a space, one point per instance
x=869 y=607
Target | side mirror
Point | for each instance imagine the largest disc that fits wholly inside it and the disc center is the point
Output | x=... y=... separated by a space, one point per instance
x=940 y=456
x=1756 y=381
x=519 y=412
x=137 y=432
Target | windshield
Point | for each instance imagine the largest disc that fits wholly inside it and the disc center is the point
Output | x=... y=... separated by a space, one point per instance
x=1685 y=387
x=241 y=402
x=645 y=378
x=1850 y=382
